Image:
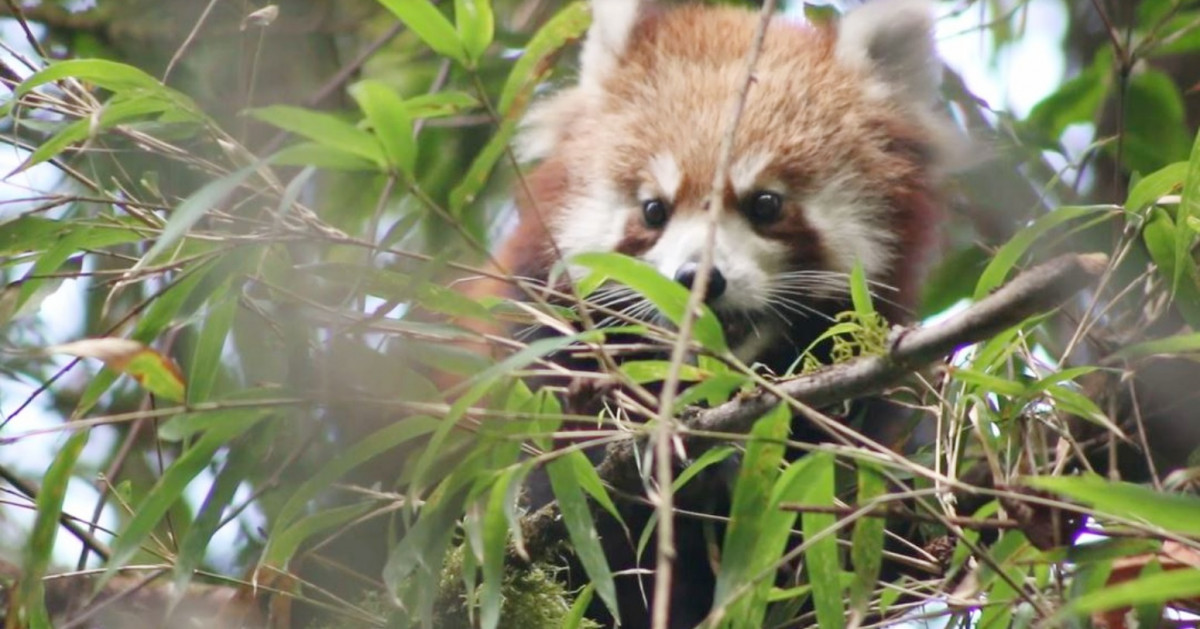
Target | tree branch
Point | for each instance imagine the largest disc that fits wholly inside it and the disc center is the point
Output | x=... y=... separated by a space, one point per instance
x=1035 y=291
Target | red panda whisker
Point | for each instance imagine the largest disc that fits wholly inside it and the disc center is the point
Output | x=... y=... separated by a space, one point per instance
x=833 y=276
x=798 y=307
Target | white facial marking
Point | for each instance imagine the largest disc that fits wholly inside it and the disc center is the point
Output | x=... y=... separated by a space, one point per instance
x=850 y=225
x=592 y=222
x=665 y=171
x=745 y=171
x=745 y=259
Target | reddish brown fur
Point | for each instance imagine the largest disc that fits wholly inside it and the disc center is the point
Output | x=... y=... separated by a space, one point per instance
x=671 y=93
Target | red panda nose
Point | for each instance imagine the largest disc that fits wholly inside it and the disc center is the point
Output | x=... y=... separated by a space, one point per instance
x=686 y=275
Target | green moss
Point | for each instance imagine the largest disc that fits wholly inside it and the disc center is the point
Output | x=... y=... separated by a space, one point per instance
x=533 y=599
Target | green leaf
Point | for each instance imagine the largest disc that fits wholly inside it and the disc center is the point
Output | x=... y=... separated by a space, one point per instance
x=156 y=318
x=1159 y=234
x=952 y=280
x=375 y=444
x=194 y=545
x=573 y=505
x=476 y=26
x=431 y=26
x=714 y=390
x=1154 y=588
x=322 y=156
x=481 y=167
x=575 y=616
x=39 y=548
x=281 y=546
x=1154 y=186
x=987 y=382
x=708 y=459
x=1169 y=346
x=423 y=548
x=866 y=548
x=206 y=365
x=1173 y=512
x=1077 y=100
x=860 y=292
x=821 y=559
x=1012 y=554
x=439 y=104
x=110 y=75
x=1081 y=405
x=170 y=487
x=568 y=25
x=1154 y=117
x=744 y=552
x=75 y=239
x=1012 y=251
x=388 y=116
x=154 y=371
x=669 y=296
x=28 y=233
x=584 y=473
x=192 y=209
x=498 y=518
x=322 y=128
x=112 y=113
x=643 y=371
x=1189 y=208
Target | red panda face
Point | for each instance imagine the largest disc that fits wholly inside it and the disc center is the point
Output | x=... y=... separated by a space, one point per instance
x=831 y=166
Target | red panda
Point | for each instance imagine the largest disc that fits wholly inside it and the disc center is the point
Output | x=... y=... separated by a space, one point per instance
x=835 y=163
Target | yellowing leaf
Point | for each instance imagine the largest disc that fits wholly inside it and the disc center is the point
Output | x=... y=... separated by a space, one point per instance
x=154 y=371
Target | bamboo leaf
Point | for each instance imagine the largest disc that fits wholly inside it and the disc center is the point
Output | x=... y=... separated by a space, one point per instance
x=476 y=27
x=154 y=371
x=1189 y=208
x=1007 y=257
x=211 y=195
x=1154 y=186
x=322 y=128
x=39 y=548
x=194 y=545
x=1173 y=512
x=866 y=547
x=669 y=296
x=1154 y=588
x=205 y=365
x=431 y=26
x=390 y=122
x=821 y=559
x=371 y=446
x=576 y=514
x=568 y=25
x=743 y=552
x=170 y=487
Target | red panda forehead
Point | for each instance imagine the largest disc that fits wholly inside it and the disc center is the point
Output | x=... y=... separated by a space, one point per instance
x=805 y=115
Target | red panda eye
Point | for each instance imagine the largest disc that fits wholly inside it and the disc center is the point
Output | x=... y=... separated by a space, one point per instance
x=763 y=207
x=654 y=212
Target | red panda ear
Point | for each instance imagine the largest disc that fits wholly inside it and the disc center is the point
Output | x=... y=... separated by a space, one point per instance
x=548 y=122
x=893 y=41
x=612 y=23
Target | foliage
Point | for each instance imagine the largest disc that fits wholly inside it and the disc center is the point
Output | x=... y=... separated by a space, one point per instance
x=280 y=286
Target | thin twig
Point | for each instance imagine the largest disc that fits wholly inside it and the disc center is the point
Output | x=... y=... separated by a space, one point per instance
x=664 y=434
